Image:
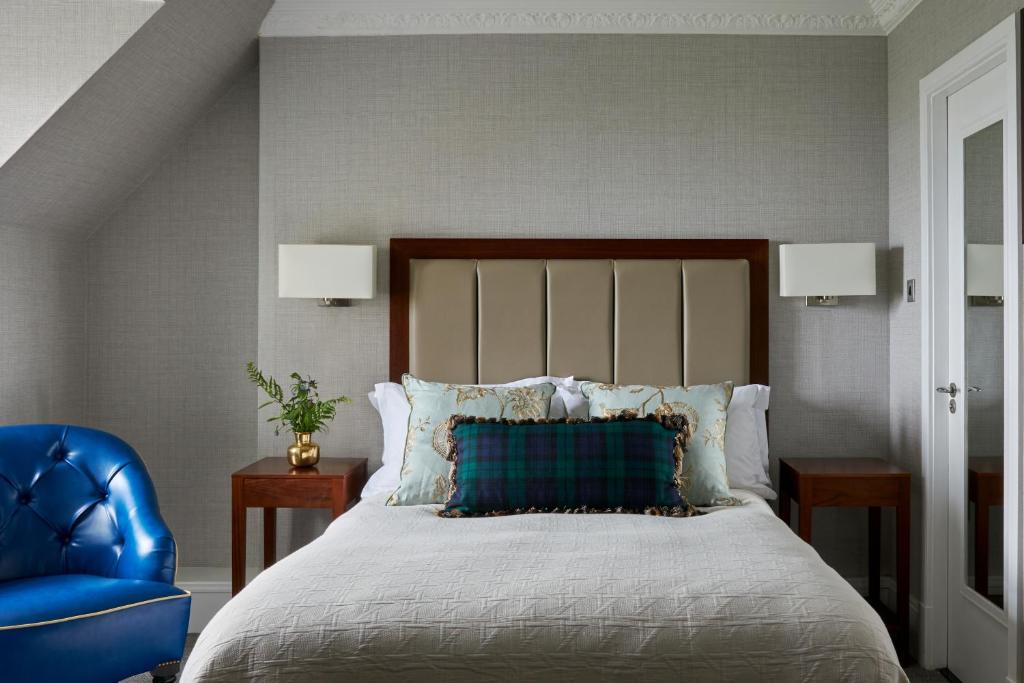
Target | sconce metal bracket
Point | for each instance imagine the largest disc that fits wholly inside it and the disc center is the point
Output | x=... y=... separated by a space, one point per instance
x=822 y=301
x=334 y=303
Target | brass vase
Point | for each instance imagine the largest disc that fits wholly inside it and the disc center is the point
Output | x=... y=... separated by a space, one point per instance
x=303 y=453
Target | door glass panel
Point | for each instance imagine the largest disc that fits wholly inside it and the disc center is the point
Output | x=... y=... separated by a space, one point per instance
x=983 y=400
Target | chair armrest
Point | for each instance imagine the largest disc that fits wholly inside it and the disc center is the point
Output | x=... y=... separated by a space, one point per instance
x=149 y=551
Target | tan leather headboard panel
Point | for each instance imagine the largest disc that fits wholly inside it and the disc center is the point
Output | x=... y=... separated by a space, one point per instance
x=510 y=315
x=716 y=325
x=442 y=320
x=631 y=321
x=581 y=338
x=648 y=323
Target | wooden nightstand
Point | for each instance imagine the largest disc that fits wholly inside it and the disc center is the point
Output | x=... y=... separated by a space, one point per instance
x=857 y=482
x=272 y=483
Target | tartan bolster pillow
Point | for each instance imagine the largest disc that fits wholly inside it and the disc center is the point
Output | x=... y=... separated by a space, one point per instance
x=624 y=464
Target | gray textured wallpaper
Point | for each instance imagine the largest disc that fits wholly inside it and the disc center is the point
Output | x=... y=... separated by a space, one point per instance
x=42 y=327
x=172 y=322
x=95 y=149
x=935 y=31
x=48 y=48
x=363 y=139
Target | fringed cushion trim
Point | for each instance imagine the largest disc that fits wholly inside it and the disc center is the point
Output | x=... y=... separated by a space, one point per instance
x=676 y=422
x=679 y=511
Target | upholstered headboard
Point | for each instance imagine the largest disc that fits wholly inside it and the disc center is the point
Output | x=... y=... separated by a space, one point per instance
x=663 y=312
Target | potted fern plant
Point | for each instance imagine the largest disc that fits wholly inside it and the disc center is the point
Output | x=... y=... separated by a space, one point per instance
x=304 y=413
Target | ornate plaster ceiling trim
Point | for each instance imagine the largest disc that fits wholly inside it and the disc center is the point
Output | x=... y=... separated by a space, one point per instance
x=340 y=23
x=891 y=12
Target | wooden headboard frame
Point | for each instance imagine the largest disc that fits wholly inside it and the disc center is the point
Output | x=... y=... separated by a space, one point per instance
x=404 y=250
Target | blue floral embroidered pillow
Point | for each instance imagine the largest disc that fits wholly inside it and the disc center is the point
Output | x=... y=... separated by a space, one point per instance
x=424 y=477
x=705 y=406
x=623 y=464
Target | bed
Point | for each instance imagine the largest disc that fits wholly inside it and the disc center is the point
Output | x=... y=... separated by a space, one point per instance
x=398 y=593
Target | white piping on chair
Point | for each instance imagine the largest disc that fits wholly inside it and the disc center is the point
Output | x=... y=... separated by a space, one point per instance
x=120 y=608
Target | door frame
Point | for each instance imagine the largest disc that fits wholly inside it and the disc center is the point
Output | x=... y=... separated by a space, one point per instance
x=999 y=45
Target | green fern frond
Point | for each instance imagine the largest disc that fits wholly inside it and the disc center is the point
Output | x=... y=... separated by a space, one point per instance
x=304 y=411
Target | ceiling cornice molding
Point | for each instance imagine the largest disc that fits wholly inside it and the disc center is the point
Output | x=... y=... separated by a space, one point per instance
x=891 y=12
x=324 y=22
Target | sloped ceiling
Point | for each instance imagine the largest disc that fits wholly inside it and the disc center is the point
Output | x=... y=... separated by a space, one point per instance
x=406 y=17
x=48 y=49
x=105 y=139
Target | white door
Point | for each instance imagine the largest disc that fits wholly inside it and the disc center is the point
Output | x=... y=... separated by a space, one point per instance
x=973 y=392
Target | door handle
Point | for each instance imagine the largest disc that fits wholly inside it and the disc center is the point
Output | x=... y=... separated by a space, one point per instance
x=952 y=390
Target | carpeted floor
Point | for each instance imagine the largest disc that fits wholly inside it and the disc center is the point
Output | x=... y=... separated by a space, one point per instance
x=915 y=673
x=919 y=675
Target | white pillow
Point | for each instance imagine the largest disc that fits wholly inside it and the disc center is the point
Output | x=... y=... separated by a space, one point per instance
x=391 y=403
x=746 y=440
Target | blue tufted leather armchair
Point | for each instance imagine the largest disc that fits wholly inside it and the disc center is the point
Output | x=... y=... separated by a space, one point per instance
x=86 y=562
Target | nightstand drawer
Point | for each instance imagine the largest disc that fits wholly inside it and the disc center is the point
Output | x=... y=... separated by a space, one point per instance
x=269 y=493
x=855 y=492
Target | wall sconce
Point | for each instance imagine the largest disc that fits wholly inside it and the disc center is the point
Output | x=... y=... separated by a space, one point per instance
x=984 y=266
x=332 y=273
x=824 y=272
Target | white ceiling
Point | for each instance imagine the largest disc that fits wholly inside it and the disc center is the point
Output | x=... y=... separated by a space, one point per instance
x=413 y=17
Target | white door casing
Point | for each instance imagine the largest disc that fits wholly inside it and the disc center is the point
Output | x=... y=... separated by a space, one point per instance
x=997 y=47
x=977 y=631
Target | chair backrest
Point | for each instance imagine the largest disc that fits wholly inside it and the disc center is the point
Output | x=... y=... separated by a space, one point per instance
x=78 y=501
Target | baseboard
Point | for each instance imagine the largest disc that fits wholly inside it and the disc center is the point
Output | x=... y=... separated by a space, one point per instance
x=210 y=588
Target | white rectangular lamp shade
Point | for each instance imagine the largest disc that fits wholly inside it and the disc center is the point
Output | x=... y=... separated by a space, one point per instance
x=815 y=270
x=325 y=271
x=984 y=270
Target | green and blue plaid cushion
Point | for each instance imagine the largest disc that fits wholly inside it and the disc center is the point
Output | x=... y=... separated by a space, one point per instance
x=621 y=464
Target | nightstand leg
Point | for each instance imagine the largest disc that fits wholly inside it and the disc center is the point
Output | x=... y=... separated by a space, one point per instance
x=237 y=537
x=784 y=507
x=339 y=497
x=874 y=553
x=269 y=537
x=806 y=510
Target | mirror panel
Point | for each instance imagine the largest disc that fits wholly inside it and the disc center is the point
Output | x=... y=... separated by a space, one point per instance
x=983 y=230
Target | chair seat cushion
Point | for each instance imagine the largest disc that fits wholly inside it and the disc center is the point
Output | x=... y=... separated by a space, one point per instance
x=89 y=628
x=71 y=596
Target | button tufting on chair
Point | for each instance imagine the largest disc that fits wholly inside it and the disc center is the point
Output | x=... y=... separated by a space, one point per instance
x=87 y=560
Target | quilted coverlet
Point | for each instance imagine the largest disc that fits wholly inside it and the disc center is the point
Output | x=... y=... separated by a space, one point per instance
x=398 y=593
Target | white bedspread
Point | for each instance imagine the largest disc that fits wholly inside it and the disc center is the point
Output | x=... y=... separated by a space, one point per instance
x=397 y=593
